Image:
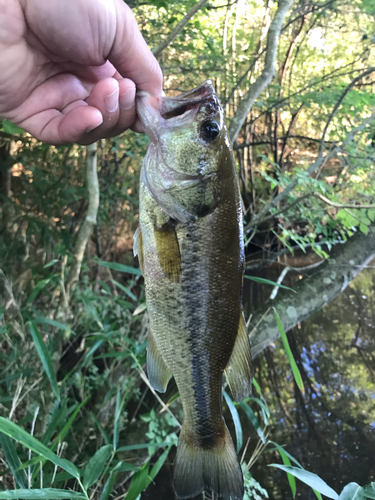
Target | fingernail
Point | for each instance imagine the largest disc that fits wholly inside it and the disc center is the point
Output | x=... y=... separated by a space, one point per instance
x=111 y=101
x=93 y=127
x=127 y=100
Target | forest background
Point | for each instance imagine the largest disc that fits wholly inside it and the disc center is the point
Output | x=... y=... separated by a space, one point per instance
x=297 y=81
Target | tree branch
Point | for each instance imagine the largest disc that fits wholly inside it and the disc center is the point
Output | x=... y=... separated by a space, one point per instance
x=339 y=205
x=258 y=217
x=267 y=74
x=90 y=220
x=180 y=26
x=314 y=291
x=282 y=138
x=338 y=103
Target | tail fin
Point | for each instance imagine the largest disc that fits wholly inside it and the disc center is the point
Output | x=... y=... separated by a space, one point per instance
x=216 y=468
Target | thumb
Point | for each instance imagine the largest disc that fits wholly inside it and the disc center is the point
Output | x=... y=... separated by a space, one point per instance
x=130 y=54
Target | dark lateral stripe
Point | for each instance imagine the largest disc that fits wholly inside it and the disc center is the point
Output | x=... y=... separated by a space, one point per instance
x=196 y=312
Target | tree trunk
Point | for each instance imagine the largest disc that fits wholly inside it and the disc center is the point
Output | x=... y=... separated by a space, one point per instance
x=90 y=219
x=312 y=292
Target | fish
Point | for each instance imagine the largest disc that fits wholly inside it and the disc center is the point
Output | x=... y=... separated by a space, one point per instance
x=190 y=248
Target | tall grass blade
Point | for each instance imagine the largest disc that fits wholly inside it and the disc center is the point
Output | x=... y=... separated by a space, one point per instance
x=139 y=483
x=120 y=267
x=45 y=493
x=293 y=364
x=96 y=465
x=267 y=282
x=101 y=429
x=13 y=461
x=45 y=358
x=291 y=480
x=236 y=421
x=158 y=465
x=254 y=421
x=116 y=430
x=15 y=432
x=108 y=487
x=312 y=480
x=37 y=289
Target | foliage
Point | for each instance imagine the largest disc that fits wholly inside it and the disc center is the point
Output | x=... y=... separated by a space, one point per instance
x=77 y=415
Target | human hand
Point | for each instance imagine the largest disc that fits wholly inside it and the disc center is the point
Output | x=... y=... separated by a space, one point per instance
x=69 y=70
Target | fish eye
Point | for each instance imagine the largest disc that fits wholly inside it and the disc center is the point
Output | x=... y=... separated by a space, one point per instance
x=209 y=131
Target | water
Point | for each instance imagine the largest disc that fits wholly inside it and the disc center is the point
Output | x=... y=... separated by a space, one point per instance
x=330 y=429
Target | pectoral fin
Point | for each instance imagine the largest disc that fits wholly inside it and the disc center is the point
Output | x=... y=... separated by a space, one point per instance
x=168 y=250
x=157 y=371
x=238 y=370
x=138 y=247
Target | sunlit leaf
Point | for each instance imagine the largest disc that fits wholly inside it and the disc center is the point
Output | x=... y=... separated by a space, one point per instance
x=310 y=479
x=236 y=421
x=293 y=364
x=267 y=282
x=45 y=358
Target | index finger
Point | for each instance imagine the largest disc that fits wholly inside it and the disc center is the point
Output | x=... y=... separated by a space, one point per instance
x=130 y=54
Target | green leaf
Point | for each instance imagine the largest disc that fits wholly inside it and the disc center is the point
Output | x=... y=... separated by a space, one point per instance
x=35 y=494
x=139 y=483
x=352 y=491
x=369 y=491
x=158 y=465
x=13 y=460
x=128 y=292
x=116 y=430
x=363 y=228
x=11 y=128
x=286 y=461
x=265 y=410
x=120 y=267
x=61 y=435
x=37 y=289
x=254 y=421
x=125 y=467
x=291 y=458
x=107 y=490
x=41 y=320
x=371 y=214
x=310 y=479
x=293 y=364
x=236 y=421
x=267 y=282
x=45 y=358
x=96 y=465
x=101 y=429
x=15 y=432
x=143 y=445
x=319 y=496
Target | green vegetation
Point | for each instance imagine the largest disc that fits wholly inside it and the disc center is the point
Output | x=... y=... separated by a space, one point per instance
x=77 y=413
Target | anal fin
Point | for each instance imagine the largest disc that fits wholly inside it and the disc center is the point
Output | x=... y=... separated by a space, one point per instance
x=238 y=370
x=158 y=372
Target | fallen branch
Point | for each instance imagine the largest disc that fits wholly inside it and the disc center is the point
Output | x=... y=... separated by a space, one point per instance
x=314 y=291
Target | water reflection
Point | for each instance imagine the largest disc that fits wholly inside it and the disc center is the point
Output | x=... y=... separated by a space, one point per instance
x=331 y=429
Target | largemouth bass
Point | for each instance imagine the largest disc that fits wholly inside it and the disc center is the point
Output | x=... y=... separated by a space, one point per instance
x=190 y=247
